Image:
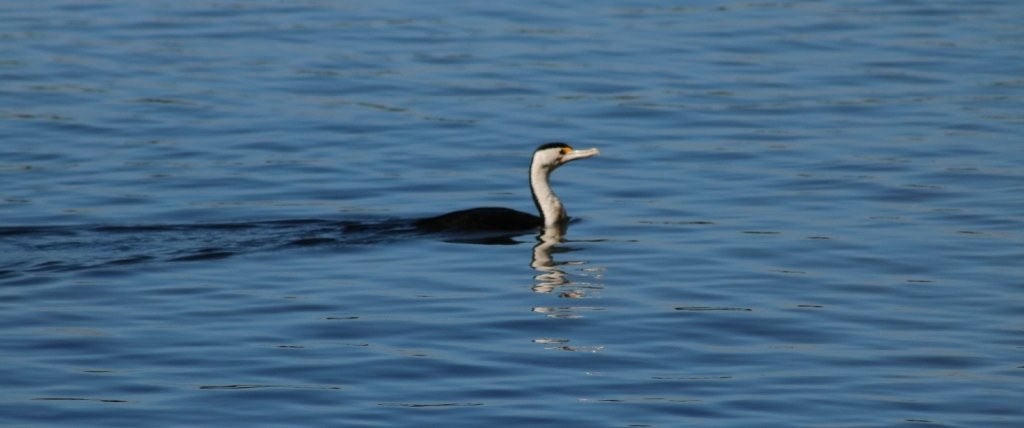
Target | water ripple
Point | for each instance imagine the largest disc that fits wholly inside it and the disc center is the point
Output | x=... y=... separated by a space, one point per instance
x=801 y=209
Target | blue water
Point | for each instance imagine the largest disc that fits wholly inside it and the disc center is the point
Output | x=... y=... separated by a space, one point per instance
x=804 y=214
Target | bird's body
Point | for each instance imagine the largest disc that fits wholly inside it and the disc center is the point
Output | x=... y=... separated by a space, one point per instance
x=546 y=158
x=481 y=219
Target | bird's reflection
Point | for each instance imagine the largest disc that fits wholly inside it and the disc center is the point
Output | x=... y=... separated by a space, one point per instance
x=549 y=275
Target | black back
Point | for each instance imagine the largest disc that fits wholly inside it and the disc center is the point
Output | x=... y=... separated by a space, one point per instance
x=479 y=220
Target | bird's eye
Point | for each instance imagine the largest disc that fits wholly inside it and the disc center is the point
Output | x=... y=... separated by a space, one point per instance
x=566 y=150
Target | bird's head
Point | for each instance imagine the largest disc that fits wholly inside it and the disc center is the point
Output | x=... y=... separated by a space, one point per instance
x=552 y=155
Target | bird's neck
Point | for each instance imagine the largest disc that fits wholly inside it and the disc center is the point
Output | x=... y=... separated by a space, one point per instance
x=549 y=206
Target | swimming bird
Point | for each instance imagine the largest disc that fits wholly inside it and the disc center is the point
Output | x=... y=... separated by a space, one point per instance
x=546 y=159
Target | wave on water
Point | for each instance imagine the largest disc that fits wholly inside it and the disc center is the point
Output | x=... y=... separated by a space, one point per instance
x=48 y=249
x=51 y=249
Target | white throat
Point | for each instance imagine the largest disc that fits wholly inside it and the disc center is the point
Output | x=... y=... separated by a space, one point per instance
x=548 y=204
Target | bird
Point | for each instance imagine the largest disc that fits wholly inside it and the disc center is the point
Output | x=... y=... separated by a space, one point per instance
x=546 y=158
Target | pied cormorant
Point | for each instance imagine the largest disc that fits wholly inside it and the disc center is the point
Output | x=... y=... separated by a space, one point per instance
x=546 y=158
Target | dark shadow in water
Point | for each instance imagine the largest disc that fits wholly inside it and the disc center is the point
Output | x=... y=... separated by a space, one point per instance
x=50 y=249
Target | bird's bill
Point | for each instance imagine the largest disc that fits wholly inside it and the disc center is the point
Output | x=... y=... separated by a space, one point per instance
x=579 y=154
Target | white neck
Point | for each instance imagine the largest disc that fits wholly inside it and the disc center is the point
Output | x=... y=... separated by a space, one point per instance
x=548 y=204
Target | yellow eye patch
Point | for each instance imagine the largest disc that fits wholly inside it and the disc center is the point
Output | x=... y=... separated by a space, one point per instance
x=566 y=150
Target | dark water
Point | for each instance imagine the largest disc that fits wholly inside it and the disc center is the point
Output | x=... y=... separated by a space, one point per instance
x=805 y=214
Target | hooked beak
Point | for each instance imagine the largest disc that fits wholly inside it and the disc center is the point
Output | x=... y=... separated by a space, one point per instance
x=579 y=154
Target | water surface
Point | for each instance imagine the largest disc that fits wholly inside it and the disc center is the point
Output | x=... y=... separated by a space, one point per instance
x=804 y=214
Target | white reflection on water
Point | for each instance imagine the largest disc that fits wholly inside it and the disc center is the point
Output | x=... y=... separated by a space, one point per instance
x=552 y=277
x=549 y=276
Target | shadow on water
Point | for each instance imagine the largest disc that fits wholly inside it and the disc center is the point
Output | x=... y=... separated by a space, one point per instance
x=84 y=247
x=51 y=249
